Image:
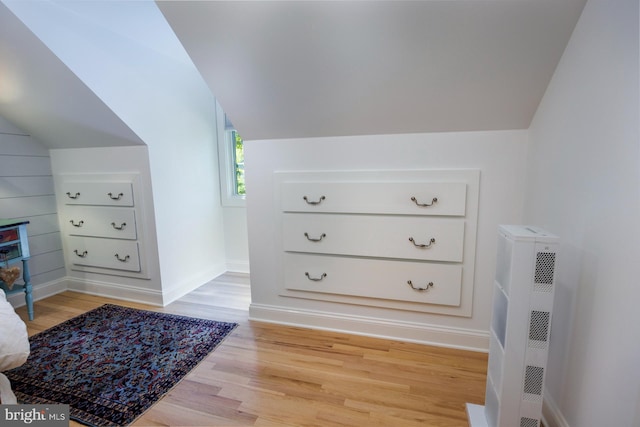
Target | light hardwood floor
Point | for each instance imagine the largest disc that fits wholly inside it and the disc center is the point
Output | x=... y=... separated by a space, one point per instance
x=271 y=375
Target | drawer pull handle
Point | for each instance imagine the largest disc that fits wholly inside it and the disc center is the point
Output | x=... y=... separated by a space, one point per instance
x=81 y=255
x=125 y=259
x=115 y=197
x=74 y=196
x=418 y=245
x=79 y=224
x=311 y=202
x=122 y=226
x=434 y=200
x=418 y=288
x=311 y=239
x=315 y=279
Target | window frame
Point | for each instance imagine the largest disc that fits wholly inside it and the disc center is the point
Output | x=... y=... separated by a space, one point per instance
x=226 y=162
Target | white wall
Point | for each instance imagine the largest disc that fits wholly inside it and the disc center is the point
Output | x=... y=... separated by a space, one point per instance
x=189 y=218
x=27 y=192
x=499 y=155
x=584 y=186
x=236 y=239
x=149 y=82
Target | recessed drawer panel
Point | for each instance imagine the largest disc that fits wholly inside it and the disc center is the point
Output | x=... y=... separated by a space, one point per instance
x=104 y=253
x=98 y=193
x=402 y=198
x=117 y=223
x=421 y=238
x=391 y=280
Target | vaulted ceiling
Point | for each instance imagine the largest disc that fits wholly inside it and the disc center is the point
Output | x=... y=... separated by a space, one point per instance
x=322 y=68
x=284 y=69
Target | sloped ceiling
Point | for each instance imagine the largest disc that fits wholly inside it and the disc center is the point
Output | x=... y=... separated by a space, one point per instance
x=284 y=69
x=298 y=68
x=44 y=98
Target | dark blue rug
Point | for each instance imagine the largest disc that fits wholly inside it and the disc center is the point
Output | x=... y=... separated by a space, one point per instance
x=112 y=363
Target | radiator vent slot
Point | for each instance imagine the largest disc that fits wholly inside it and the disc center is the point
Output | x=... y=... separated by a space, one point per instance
x=533 y=383
x=539 y=329
x=545 y=267
x=528 y=422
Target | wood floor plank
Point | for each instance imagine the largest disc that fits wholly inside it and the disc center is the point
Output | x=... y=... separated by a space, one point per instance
x=267 y=375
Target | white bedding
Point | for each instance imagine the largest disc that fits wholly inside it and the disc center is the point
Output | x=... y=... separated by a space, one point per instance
x=14 y=346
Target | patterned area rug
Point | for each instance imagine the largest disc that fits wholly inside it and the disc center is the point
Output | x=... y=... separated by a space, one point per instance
x=112 y=363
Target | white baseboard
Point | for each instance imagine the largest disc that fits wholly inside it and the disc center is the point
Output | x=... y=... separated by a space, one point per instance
x=238 y=266
x=476 y=416
x=40 y=291
x=115 y=290
x=465 y=339
x=551 y=414
x=193 y=283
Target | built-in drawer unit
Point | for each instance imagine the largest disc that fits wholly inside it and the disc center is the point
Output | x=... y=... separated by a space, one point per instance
x=99 y=215
x=406 y=198
x=98 y=193
x=392 y=239
x=414 y=282
x=422 y=238
x=105 y=253
x=115 y=223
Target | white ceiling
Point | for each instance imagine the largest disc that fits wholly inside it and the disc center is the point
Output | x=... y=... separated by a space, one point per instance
x=285 y=69
x=43 y=97
x=292 y=68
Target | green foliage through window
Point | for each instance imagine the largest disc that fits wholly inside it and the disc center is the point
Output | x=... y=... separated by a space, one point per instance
x=238 y=161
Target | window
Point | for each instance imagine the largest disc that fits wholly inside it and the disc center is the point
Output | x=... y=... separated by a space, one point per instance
x=237 y=148
x=231 y=161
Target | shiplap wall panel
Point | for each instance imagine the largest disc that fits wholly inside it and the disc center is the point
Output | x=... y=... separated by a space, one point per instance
x=27 y=193
x=43 y=224
x=11 y=165
x=24 y=145
x=45 y=268
x=48 y=276
x=22 y=207
x=23 y=186
x=44 y=263
x=44 y=243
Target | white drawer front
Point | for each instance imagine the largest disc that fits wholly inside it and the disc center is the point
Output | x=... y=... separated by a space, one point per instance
x=434 y=239
x=104 y=253
x=430 y=283
x=116 y=223
x=406 y=198
x=98 y=193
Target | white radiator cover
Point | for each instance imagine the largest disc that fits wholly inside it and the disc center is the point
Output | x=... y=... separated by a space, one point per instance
x=524 y=288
